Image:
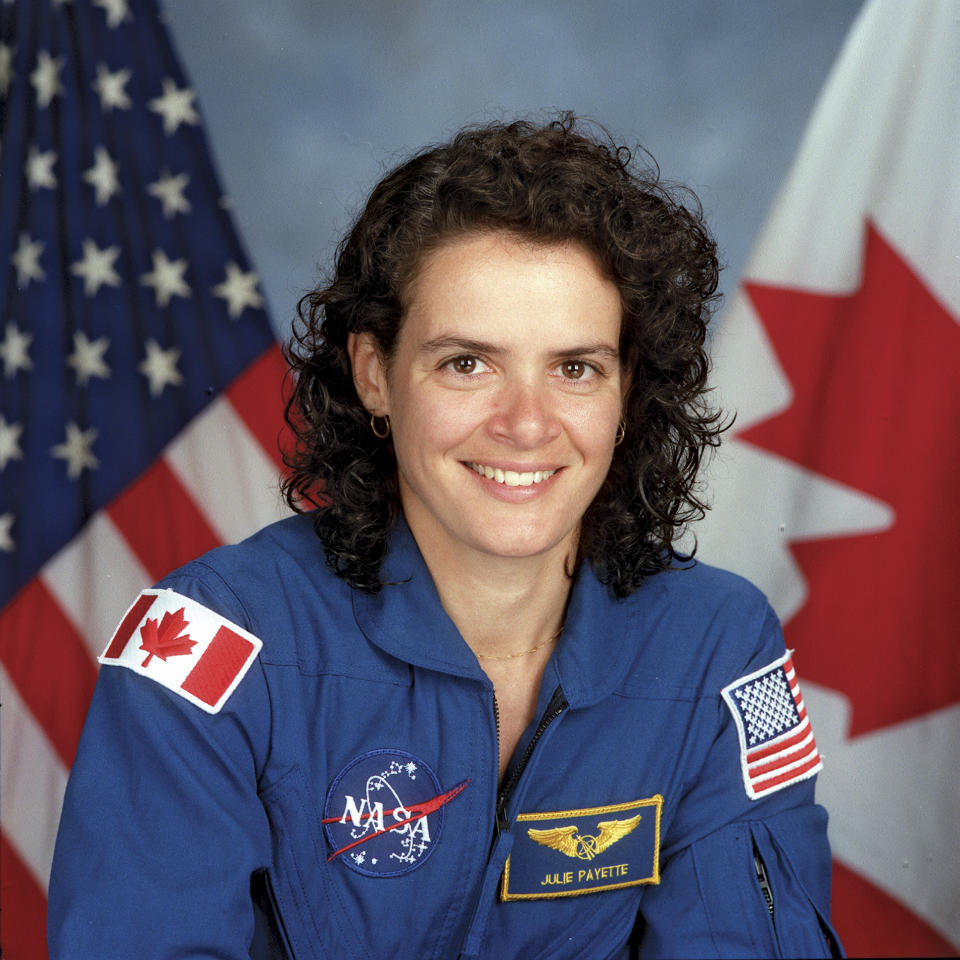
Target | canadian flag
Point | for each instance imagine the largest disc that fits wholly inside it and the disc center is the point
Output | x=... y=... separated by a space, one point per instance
x=184 y=646
x=837 y=489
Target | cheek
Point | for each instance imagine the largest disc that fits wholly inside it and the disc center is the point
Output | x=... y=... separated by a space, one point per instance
x=594 y=428
x=429 y=422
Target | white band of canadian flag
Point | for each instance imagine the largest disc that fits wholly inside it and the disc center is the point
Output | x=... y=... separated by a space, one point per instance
x=777 y=746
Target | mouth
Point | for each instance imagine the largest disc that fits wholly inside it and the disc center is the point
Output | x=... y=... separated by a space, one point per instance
x=511 y=478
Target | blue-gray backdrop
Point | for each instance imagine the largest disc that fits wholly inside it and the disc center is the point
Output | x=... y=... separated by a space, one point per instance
x=307 y=102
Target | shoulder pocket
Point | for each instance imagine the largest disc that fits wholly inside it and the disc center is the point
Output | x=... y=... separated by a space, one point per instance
x=753 y=889
x=797 y=886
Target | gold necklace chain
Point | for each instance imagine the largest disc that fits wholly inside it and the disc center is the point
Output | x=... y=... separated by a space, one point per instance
x=523 y=653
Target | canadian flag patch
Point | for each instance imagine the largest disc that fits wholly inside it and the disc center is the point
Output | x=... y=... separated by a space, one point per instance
x=184 y=646
x=777 y=746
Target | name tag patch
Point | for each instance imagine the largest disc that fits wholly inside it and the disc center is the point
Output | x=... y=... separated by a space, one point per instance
x=565 y=853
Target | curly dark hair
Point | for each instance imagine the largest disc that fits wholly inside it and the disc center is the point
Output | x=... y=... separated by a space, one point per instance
x=546 y=183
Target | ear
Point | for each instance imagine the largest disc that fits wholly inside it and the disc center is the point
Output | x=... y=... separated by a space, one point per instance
x=369 y=373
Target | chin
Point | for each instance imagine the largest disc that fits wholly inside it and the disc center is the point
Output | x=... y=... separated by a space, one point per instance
x=517 y=545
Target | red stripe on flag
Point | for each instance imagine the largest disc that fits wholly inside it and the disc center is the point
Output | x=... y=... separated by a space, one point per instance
x=754 y=755
x=798 y=700
x=48 y=662
x=216 y=669
x=871 y=923
x=257 y=394
x=788 y=775
x=780 y=762
x=126 y=628
x=23 y=920
x=160 y=520
x=794 y=684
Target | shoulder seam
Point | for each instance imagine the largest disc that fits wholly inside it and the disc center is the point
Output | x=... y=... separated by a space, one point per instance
x=216 y=573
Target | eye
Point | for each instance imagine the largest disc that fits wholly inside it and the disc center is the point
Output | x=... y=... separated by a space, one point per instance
x=577 y=370
x=466 y=364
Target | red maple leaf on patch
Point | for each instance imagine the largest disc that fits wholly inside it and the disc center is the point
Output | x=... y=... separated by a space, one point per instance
x=164 y=641
x=876 y=380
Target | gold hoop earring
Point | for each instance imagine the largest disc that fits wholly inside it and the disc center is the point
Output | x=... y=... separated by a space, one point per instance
x=621 y=433
x=376 y=432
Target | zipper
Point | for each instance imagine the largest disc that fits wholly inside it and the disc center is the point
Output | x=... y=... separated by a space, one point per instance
x=496 y=717
x=764 y=880
x=502 y=838
x=556 y=706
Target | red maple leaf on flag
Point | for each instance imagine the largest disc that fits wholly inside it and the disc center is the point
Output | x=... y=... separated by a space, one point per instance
x=876 y=407
x=164 y=641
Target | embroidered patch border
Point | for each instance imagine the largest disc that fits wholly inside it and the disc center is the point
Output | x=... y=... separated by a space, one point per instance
x=567 y=839
x=378 y=821
x=190 y=649
x=777 y=746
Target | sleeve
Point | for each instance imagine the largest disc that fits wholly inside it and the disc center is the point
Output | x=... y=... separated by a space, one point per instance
x=162 y=829
x=745 y=871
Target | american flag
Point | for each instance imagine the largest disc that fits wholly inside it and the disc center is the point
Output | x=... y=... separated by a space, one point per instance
x=777 y=746
x=139 y=389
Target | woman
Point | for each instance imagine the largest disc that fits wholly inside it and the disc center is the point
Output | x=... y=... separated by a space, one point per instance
x=501 y=720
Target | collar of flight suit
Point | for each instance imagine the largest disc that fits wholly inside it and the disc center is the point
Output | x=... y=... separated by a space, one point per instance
x=601 y=639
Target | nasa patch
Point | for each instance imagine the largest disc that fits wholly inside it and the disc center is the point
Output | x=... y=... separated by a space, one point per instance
x=384 y=813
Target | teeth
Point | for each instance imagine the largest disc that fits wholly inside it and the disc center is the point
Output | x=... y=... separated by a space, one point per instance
x=511 y=478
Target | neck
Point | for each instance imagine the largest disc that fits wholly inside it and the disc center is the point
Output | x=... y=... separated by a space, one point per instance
x=502 y=605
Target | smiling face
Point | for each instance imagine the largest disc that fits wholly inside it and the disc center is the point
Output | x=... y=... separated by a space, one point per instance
x=504 y=394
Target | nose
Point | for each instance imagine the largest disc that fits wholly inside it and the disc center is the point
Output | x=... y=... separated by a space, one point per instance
x=524 y=416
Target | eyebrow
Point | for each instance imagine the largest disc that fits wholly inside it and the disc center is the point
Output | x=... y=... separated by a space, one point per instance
x=467 y=345
x=456 y=343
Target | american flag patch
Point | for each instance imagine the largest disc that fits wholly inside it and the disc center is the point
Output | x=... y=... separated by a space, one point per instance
x=777 y=746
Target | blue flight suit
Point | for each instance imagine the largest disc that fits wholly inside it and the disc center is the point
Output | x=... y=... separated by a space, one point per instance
x=344 y=800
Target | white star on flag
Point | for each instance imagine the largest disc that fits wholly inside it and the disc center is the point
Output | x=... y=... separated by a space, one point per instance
x=87 y=358
x=117 y=11
x=46 y=78
x=175 y=106
x=96 y=267
x=6 y=68
x=239 y=289
x=166 y=278
x=13 y=350
x=160 y=367
x=77 y=450
x=9 y=441
x=110 y=88
x=6 y=540
x=102 y=176
x=39 y=168
x=26 y=258
x=170 y=189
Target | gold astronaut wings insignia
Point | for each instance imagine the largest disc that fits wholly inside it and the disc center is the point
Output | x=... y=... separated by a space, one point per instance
x=584 y=846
